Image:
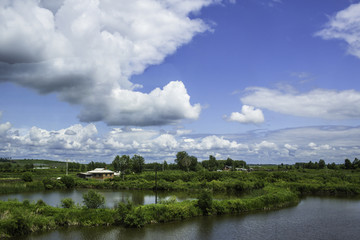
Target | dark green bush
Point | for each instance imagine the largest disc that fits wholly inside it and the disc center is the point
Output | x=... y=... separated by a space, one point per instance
x=93 y=199
x=205 y=202
x=67 y=203
x=68 y=181
x=27 y=177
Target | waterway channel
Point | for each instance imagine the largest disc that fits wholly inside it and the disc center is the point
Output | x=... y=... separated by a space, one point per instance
x=313 y=218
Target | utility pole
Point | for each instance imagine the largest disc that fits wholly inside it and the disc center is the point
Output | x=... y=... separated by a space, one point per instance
x=155 y=183
x=67 y=166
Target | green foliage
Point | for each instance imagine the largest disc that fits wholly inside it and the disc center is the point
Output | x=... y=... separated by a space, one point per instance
x=93 y=199
x=205 y=202
x=68 y=181
x=67 y=203
x=27 y=177
x=135 y=218
x=138 y=163
x=186 y=162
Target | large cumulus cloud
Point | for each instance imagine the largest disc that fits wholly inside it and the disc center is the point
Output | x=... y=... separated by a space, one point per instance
x=87 y=50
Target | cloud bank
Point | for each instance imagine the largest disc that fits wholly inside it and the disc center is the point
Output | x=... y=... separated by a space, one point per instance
x=318 y=103
x=87 y=50
x=84 y=143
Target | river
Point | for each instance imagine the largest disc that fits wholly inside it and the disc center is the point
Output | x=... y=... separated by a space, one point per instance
x=313 y=218
x=112 y=197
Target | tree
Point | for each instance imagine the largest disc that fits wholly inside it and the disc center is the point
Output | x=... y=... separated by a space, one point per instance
x=93 y=199
x=186 y=162
x=212 y=163
x=91 y=166
x=180 y=156
x=165 y=165
x=348 y=164
x=116 y=163
x=138 y=163
x=321 y=164
x=229 y=162
x=356 y=163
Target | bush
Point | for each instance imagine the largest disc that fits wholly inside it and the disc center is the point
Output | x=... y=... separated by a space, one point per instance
x=68 y=181
x=27 y=177
x=93 y=199
x=67 y=203
x=135 y=218
x=205 y=202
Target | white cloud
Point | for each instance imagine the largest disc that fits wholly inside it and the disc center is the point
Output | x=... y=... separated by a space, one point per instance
x=319 y=103
x=84 y=142
x=4 y=127
x=87 y=50
x=248 y=115
x=345 y=25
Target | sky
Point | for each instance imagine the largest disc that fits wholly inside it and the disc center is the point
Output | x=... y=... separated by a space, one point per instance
x=265 y=81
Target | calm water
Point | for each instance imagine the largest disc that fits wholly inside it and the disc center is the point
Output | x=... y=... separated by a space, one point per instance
x=142 y=197
x=313 y=218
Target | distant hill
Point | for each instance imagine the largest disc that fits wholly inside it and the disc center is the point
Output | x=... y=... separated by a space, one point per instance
x=38 y=162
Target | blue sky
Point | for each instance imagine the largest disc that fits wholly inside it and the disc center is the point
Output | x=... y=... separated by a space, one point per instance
x=266 y=81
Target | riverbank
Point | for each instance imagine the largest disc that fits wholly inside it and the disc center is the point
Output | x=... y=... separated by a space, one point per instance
x=20 y=218
x=266 y=191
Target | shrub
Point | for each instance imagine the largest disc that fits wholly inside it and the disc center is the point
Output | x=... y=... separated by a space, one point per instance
x=135 y=218
x=67 y=203
x=93 y=199
x=27 y=177
x=205 y=202
x=17 y=225
x=68 y=181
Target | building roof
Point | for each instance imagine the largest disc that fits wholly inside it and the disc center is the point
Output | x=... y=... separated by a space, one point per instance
x=100 y=170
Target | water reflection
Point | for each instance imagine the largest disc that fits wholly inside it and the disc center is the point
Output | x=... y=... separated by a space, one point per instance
x=112 y=198
x=313 y=218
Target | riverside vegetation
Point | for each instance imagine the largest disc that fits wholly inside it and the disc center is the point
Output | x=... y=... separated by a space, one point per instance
x=268 y=188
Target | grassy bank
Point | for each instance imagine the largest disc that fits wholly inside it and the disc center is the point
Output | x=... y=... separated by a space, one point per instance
x=19 y=218
x=265 y=190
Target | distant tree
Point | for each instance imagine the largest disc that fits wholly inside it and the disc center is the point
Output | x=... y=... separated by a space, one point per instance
x=229 y=162
x=356 y=163
x=239 y=164
x=322 y=164
x=83 y=168
x=331 y=166
x=91 y=166
x=193 y=163
x=124 y=163
x=165 y=165
x=138 y=163
x=348 y=164
x=212 y=163
x=182 y=160
x=116 y=163
x=92 y=199
x=186 y=162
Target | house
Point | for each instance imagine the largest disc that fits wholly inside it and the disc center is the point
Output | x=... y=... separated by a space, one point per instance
x=97 y=173
x=227 y=168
